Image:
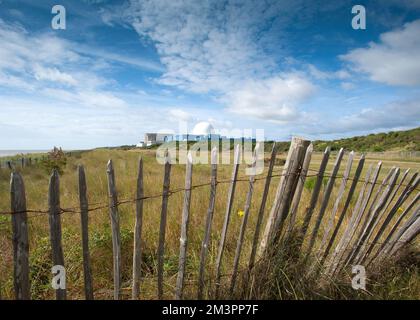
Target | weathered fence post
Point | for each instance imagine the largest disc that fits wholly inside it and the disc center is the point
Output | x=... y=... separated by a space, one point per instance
x=115 y=228
x=367 y=232
x=342 y=245
x=262 y=208
x=285 y=192
x=340 y=194
x=137 y=233
x=55 y=227
x=209 y=219
x=404 y=195
x=397 y=223
x=231 y=195
x=325 y=200
x=346 y=206
x=409 y=234
x=244 y=221
x=362 y=210
x=183 y=241
x=84 y=220
x=299 y=190
x=163 y=218
x=20 y=237
x=314 y=197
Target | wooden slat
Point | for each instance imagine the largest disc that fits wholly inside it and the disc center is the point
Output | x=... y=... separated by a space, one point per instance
x=315 y=194
x=356 y=216
x=361 y=226
x=84 y=219
x=346 y=206
x=163 y=219
x=20 y=238
x=137 y=252
x=403 y=197
x=340 y=194
x=244 y=220
x=231 y=194
x=115 y=228
x=367 y=232
x=183 y=240
x=55 y=226
x=284 y=193
x=299 y=190
x=409 y=234
x=262 y=208
x=398 y=222
x=209 y=219
x=325 y=200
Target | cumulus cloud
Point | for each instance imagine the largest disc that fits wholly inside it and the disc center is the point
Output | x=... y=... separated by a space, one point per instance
x=274 y=98
x=215 y=47
x=396 y=114
x=394 y=60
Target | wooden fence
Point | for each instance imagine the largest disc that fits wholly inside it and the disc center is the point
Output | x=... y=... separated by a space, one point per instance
x=367 y=238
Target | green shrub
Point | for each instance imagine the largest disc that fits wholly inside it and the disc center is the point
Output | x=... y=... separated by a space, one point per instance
x=56 y=159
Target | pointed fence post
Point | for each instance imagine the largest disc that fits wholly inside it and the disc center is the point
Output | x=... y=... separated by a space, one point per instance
x=231 y=195
x=299 y=190
x=340 y=194
x=209 y=219
x=20 y=238
x=346 y=206
x=314 y=197
x=367 y=232
x=244 y=221
x=183 y=241
x=55 y=227
x=325 y=200
x=84 y=219
x=262 y=208
x=347 y=236
x=284 y=194
x=115 y=228
x=163 y=218
x=137 y=233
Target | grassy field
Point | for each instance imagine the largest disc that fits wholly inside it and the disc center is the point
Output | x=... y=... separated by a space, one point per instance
x=402 y=280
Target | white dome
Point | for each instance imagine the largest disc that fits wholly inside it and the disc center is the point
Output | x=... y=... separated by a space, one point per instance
x=203 y=129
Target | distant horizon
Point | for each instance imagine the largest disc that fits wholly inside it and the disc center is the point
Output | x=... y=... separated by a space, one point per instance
x=19 y=151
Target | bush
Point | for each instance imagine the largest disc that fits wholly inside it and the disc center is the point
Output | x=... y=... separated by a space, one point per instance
x=56 y=159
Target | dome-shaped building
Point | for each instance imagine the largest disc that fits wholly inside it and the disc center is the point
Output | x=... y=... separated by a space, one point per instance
x=203 y=129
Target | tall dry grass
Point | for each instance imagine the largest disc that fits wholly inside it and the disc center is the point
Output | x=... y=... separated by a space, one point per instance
x=280 y=277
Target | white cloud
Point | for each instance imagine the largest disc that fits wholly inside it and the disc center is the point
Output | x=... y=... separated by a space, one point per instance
x=397 y=114
x=210 y=47
x=271 y=99
x=180 y=115
x=394 y=60
x=53 y=75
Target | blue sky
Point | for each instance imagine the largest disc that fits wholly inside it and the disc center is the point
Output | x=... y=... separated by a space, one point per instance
x=123 y=68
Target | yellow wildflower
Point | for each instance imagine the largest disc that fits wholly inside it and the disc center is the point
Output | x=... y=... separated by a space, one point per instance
x=241 y=213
